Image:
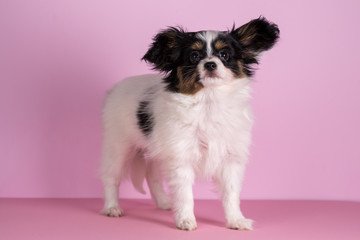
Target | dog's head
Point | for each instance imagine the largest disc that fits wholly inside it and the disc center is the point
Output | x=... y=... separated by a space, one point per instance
x=194 y=60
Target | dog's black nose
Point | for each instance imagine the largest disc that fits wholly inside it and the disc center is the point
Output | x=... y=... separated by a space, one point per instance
x=210 y=66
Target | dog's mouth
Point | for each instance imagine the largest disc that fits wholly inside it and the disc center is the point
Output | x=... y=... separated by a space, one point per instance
x=211 y=79
x=211 y=74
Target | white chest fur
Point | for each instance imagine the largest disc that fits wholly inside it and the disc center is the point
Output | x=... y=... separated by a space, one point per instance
x=202 y=130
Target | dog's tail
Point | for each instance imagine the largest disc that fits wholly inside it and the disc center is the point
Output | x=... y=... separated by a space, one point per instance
x=138 y=171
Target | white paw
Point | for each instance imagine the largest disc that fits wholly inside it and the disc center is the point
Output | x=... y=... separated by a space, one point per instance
x=187 y=224
x=113 y=212
x=240 y=224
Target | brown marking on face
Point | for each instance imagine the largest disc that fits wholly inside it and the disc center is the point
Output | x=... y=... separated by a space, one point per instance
x=241 y=73
x=220 y=44
x=246 y=54
x=197 y=46
x=188 y=84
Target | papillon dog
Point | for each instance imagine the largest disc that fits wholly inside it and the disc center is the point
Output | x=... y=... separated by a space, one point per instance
x=192 y=120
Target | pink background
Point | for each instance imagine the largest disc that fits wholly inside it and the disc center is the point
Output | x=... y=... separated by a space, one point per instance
x=58 y=58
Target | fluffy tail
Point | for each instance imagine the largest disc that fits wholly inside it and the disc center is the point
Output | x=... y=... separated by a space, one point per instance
x=138 y=171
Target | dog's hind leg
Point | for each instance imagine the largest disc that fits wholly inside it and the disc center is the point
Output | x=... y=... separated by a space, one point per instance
x=113 y=169
x=155 y=183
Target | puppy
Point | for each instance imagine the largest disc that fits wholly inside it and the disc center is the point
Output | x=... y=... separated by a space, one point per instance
x=193 y=120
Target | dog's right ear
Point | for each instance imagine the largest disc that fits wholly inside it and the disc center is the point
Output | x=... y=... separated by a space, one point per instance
x=165 y=50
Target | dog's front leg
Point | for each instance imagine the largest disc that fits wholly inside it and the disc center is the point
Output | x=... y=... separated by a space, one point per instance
x=230 y=180
x=181 y=180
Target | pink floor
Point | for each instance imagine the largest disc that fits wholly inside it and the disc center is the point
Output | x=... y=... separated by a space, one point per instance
x=80 y=219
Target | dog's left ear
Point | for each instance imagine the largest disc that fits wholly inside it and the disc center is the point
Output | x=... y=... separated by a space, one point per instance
x=255 y=37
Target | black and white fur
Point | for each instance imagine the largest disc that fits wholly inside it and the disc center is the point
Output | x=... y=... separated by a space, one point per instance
x=194 y=120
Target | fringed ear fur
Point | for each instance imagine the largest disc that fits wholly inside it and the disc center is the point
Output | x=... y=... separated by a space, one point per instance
x=165 y=49
x=257 y=35
x=253 y=38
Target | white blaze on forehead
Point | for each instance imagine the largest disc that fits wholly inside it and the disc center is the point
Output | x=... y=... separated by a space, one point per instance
x=208 y=37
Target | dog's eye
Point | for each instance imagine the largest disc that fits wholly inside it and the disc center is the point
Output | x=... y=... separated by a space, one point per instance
x=224 y=55
x=195 y=57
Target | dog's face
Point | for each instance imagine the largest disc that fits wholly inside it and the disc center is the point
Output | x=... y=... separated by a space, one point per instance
x=194 y=60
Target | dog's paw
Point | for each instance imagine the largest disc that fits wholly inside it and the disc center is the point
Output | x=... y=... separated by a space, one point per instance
x=113 y=212
x=240 y=224
x=187 y=224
